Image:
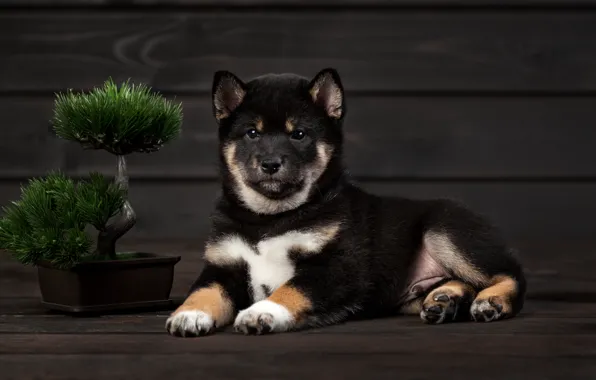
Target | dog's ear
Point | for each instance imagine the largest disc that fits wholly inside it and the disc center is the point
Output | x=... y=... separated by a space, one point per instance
x=228 y=91
x=327 y=92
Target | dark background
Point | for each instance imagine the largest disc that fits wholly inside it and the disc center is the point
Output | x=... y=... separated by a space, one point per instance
x=489 y=102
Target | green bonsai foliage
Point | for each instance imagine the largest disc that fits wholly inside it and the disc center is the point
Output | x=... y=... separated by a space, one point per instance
x=50 y=219
x=120 y=120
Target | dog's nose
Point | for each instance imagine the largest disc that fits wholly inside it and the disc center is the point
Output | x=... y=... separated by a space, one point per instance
x=270 y=166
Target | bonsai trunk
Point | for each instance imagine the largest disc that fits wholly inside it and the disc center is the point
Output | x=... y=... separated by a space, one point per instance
x=106 y=241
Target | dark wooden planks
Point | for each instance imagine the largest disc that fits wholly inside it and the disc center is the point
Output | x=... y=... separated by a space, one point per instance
x=412 y=137
x=283 y=364
x=533 y=325
x=556 y=271
x=522 y=210
x=549 y=340
x=58 y=51
x=31 y=148
x=18 y=281
x=550 y=224
x=298 y=4
x=537 y=318
x=27 y=147
x=466 y=344
x=536 y=345
x=405 y=50
x=525 y=211
x=386 y=137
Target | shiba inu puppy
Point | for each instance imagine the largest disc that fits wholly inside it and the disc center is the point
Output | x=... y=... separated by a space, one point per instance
x=296 y=244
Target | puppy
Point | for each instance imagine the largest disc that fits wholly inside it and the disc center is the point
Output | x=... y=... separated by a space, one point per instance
x=296 y=244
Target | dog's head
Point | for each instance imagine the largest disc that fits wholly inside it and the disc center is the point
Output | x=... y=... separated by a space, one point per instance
x=279 y=134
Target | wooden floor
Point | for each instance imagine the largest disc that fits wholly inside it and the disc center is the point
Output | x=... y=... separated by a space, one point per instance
x=554 y=338
x=465 y=99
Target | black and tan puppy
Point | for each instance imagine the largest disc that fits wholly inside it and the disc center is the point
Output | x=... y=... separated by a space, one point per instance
x=295 y=244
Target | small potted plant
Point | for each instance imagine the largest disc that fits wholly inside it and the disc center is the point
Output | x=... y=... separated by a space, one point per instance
x=51 y=225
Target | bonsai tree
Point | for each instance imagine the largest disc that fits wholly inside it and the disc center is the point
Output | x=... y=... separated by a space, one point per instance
x=120 y=120
x=49 y=220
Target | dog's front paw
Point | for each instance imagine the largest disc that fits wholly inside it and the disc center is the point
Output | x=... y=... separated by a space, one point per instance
x=190 y=323
x=487 y=309
x=263 y=317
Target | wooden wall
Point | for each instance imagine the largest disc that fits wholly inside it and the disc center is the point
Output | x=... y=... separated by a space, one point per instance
x=490 y=102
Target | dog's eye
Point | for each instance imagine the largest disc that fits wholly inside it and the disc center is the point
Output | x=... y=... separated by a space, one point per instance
x=252 y=133
x=297 y=134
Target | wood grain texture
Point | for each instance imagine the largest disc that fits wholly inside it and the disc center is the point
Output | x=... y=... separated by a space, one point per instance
x=410 y=50
x=548 y=340
x=530 y=322
x=396 y=57
x=524 y=211
x=274 y=364
x=18 y=281
x=556 y=271
x=386 y=137
x=299 y=3
x=27 y=146
x=543 y=346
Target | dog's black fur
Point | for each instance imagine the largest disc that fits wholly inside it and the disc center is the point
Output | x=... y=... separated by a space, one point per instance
x=283 y=127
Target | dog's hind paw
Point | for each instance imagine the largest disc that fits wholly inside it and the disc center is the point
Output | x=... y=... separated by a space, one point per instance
x=487 y=309
x=442 y=308
x=447 y=303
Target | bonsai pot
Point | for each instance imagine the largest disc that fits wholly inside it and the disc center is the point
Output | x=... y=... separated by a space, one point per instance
x=141 y=282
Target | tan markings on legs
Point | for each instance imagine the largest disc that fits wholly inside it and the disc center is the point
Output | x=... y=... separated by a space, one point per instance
x=496 y=301
x=442 y=249
x=413 y=307
x=453 y=287
x=503 y=288
x=211 y=300
x=297 y=303
x=443 y=303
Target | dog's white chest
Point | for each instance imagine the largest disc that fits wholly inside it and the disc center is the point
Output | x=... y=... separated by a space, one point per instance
x=269 y=267
x=269 y=262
